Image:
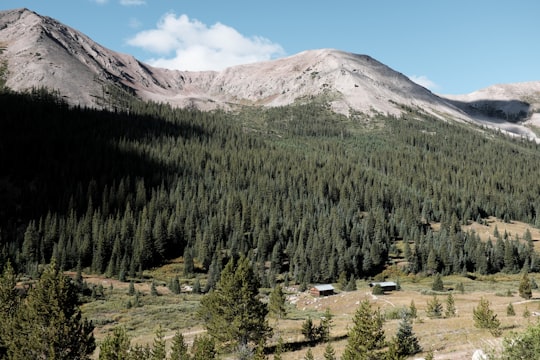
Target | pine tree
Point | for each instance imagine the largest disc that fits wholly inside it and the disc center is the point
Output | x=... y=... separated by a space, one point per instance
x=309 y=355
x=204 y=348
x=276 y=303
x=153 y=289
x=309 y=330
x=9 y=302
x=351 y=285
x=115 y=346
x=434 y=308
x=437 y=283
x=485 y=318
x=366 y=335
x=189 y=267
x=525 y=290
x=49 y=323
x=413 y=311
x=280 y=348
x=175 y=285
x=329 y=352
x=159 y=351
x=259 y=352
x=406 y=341
x=326 y=325
x=510 y=311
x=131 y=289
x=523 y=345
x=233 y=312
x=179 y=348
x=450 y=310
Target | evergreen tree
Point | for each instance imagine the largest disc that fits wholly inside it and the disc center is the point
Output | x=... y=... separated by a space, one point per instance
x=510 y=311
x=179 y=348
x=189 y=267
x=437 y=283
x=413 y=311
x=366 y=334
x=525 y=345
x=204 y=348
x=434 y=308
x=377 y=290
x=351 y=285
x=233 y=311
x=329 y=352
x=131 y=289
x=525 y=290
x=259 y=352
x=197 y=286
x=450 y=310
x=115 y=346
x=49 y=323
x=406 y=341
x=309 y=355
x=175 y=285
x=276 y=303
x=280 y=348
x=9 y=302
x=153 y=289
x=159 y=351
x=485 y=318
x=309 y=330
x=326 y=325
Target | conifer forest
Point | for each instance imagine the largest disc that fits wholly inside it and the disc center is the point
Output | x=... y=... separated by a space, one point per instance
x=296 y=194
x=311 y=193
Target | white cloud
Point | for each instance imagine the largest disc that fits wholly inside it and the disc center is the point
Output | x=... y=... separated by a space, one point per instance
x=132 y=2
x=100 y=1
x=188 y=44
x=424 y=81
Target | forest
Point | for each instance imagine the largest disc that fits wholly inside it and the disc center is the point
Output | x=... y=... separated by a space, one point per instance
x=307 y=195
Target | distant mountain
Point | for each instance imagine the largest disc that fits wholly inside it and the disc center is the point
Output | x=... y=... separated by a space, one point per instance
x=39 y=51
x=512 y=102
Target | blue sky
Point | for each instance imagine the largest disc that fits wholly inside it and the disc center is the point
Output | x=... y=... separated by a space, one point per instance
x=450 y=46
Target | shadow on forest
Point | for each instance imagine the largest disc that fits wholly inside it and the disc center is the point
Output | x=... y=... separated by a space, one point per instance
x=299 y=345
x=50 y=153
x=498 y=111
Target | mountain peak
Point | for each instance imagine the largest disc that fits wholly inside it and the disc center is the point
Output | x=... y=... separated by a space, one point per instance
x=41 y=52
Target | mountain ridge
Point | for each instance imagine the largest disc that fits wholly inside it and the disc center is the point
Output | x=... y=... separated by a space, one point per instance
x=42 y=52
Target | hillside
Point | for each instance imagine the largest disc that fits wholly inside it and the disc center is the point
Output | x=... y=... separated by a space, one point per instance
x=311 y=196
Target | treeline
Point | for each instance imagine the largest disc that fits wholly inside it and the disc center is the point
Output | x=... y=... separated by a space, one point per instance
x=119 y=192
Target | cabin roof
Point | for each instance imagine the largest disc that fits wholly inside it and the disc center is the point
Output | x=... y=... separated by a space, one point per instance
x=324 y=287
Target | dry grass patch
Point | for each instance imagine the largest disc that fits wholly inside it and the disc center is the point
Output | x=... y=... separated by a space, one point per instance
x=513 y=229
x=451 y=338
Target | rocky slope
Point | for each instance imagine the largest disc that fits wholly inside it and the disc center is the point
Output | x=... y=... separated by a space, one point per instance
x=39 y=51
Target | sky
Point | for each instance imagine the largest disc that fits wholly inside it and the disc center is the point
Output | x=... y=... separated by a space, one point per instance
x=448 y=46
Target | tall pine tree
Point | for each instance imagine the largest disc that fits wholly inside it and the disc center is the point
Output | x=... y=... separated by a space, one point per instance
x=233 y=313
x=366 y=334
x=49 y=324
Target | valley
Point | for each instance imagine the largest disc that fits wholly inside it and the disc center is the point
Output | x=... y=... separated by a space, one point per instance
x=157 y=203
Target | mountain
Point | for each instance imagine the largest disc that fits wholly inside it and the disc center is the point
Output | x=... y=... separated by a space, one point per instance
x=514 y=102
x=41 y=52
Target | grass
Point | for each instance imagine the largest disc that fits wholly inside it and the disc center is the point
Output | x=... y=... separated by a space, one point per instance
x=452 y=338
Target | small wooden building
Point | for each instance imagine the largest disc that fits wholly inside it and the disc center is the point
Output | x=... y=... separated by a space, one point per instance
x=322 y=290
x=385 y=285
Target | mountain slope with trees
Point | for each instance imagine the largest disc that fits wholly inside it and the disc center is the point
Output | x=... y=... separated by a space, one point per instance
x=299 y=190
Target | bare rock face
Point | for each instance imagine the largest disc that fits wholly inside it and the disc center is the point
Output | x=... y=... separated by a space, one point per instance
x=41 y=52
